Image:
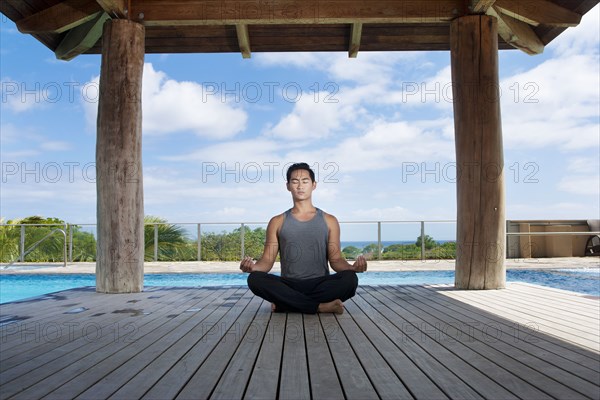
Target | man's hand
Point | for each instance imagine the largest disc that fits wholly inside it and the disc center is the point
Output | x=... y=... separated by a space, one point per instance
x=247 y=264
x=360 y=265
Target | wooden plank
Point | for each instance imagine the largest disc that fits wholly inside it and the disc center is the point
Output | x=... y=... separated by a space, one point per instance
x=171 y=383
x=253 y=12
x=430 y=340
x=265 y=375
x=571 y=334
x=467 y=364
x=538 y=12
x=499 y=302
x=387 y=384
x=50 y=376
x=125 y=364
x=355 y=38
x=420 y=385
x=204 y=380
x=81 y=38
x=521 y=337
x=481 y=6
x=354 y=379
x=146 y=374
x=501 y=361
x=293 y=381
x=243 y=40
x=31 y=340
x=114 y=8
x=324 y=381
x=60 y=17
x=232 y=383
x=552 y=312
x=520 y=35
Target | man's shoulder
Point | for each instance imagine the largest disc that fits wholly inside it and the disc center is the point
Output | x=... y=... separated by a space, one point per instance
x=277 y=219
x=330 y=218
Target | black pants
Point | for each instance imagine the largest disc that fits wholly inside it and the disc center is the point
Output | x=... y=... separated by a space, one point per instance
x=302 y=295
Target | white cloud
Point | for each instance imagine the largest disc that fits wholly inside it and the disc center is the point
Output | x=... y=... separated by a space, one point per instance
x=583 y=39
x=386 y=144
x=588 y=185
x=20 y=96
x=546 y=107
x=55 y=146
x=312 y=119
x=170 y=106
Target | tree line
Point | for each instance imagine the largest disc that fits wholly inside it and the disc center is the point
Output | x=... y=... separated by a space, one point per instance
x=176 y=244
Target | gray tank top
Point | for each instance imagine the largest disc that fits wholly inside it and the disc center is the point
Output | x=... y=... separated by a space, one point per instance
x=303 y=247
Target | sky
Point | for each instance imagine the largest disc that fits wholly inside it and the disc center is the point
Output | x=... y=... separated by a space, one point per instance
x=219 y=131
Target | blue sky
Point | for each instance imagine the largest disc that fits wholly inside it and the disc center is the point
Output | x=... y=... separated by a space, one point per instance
x=219 y=130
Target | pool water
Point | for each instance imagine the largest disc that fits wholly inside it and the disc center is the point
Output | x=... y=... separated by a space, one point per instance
x=17 y=287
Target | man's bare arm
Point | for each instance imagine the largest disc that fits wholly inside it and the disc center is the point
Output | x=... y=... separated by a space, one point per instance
x=334 y=251
x=266 y=261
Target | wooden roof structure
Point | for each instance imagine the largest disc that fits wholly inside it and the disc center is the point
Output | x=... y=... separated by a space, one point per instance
x=73 y=27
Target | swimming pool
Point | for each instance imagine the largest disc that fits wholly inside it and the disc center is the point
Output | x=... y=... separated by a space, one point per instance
x=15 y=287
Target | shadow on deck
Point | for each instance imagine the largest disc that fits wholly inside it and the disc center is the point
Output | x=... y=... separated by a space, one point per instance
x=423 y=342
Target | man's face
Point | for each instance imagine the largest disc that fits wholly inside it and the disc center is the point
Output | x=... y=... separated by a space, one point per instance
x=301 y=185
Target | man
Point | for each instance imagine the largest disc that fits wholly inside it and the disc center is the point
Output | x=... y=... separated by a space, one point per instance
x=307 y=239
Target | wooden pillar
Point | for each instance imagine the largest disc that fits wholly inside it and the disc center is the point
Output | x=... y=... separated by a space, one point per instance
x=120 y=205
x=481 y=226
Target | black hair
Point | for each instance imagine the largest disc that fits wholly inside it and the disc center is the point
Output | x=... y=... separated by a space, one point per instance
x=300 y=166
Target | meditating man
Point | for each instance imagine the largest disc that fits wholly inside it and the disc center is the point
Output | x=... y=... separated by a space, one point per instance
x=307 y=239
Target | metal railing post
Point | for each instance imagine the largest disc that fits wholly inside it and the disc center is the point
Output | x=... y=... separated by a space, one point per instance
x=70 y=227
x=70 y=244
x=422 y=240
x=379 y=240
x=155 y=242
x=22 y=244
x=199 y=242
x=242 y=240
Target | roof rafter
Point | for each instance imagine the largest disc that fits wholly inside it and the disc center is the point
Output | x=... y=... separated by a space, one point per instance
x=115 y=8
x=355 y=36
x=517 y=33
x=536 y=12
x=197 y=12
x=481 y=6
x=243 y=40
x=60 y=17
x=82 y=38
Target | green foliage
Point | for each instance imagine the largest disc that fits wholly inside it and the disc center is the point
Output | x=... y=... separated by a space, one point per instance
x=226 y=246
x=413 y=251
x=173 y=243
x=351 y=252
x=50 y=249
x=429 y=242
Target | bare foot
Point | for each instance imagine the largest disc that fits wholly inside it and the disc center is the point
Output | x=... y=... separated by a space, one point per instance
x=273 y=307
x=335 y=306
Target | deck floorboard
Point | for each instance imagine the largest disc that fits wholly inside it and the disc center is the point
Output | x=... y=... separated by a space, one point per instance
x=393 y=342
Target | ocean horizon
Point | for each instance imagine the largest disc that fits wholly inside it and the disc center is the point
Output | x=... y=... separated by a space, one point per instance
x=361 y=244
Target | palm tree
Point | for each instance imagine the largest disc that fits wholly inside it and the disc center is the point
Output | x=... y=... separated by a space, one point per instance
x=173 y=242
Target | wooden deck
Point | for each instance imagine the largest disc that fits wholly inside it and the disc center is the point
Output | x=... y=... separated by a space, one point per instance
x=423 y=342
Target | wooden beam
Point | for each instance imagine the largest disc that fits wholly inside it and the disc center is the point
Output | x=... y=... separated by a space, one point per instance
x=60 y=17
x=355 y=37
x=480 y=228
x=481 y=6
x=119 y=187
x=517 y=33
x=259 y=12
x=114 y=8
x=538 y=12
x=243 y=40
x=82 y=38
